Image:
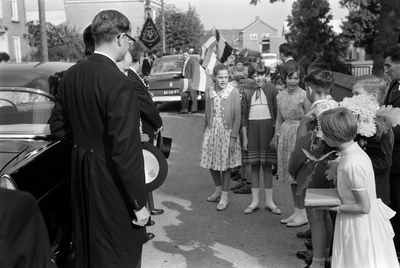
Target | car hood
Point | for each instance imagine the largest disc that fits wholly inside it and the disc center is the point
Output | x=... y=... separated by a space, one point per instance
x=10 y=150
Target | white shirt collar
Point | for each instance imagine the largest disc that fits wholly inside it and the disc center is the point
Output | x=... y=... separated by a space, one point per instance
x=101 y=53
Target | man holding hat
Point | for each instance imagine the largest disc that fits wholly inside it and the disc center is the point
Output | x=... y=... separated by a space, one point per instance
x=96 y=104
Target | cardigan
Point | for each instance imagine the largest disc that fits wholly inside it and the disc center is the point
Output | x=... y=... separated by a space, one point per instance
x=230 y=111
x=248 y=92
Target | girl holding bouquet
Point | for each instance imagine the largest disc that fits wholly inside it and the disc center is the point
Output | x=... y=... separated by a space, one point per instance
x=221 y=149
x=363 y=234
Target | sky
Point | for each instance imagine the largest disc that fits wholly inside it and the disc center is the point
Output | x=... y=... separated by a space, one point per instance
x=226 y=14
x=238 y=14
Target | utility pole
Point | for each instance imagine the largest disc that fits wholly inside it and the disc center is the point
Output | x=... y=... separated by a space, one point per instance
x=43 y=32
x=163 y=26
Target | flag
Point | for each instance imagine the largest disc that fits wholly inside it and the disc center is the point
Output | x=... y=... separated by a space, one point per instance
x=210 y=61
x=201 y=80
x=224 y=50
x=149 y=35
x=208 y=46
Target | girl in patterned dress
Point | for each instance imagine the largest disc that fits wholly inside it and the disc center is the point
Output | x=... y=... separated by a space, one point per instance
x=292 y=105
x=258 y=120
x=221 y=149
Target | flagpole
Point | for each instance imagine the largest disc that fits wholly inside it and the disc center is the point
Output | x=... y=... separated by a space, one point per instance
x=163 y=26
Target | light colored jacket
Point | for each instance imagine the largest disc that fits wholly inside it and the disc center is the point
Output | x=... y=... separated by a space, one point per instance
x=231 y=111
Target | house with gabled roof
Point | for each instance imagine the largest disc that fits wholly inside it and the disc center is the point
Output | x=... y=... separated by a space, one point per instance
x=256 y=36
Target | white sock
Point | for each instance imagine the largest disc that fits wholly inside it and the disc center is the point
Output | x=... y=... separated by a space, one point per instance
x=255 y=198
x=224 y=198
x=268 y=196
x=318 y=263
x=218 y=191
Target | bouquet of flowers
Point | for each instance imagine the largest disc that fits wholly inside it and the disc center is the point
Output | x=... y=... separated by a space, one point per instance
x=319 y=151
x=372 y=123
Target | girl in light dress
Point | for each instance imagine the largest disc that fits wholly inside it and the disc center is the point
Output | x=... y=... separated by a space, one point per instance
x=292 y=105
x=363 y=234
x=221 y=149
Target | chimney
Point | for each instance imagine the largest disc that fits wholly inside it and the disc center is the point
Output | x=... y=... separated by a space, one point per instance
x=257 y=18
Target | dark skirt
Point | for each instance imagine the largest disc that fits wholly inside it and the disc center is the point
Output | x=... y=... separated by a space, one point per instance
x=259 y=133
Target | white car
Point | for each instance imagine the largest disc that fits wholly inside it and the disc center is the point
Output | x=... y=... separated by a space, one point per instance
x=271 y=60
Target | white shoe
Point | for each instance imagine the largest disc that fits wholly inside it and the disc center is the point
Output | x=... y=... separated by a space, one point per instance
x=287 y=220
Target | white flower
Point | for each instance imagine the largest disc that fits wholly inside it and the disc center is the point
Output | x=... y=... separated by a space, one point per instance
x=365 y=108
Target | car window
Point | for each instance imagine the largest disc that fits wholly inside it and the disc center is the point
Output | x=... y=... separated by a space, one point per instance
x=166 y=67
x=24 y=112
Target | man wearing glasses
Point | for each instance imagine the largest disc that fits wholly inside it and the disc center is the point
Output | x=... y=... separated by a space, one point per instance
x=97 y=106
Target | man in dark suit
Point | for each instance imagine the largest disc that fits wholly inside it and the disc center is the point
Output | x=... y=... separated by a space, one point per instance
x=189 y=66
x=286 y=55
x=24 y=241
x=151 y=119
x=392 y=68
x=97 y=104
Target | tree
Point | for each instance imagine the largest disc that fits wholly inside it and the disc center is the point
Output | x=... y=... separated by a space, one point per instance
x=324 y=43
x=64 y=41
x=182 y=29
x=388 y=29
x=362 y=23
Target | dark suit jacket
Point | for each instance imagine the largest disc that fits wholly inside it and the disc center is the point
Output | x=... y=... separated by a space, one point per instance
x=393 y=98
x=97 y=102
x=24 y=241
x=297 y=169
x=149 y=113
x=188 y=72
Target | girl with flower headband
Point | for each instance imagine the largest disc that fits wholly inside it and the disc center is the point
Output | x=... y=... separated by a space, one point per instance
x=318 y=85
x=363 y=233
x=258 y=121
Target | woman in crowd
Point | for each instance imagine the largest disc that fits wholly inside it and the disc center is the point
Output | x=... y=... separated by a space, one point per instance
x=380 y=152
x=221 y=149
x=363 y=233
x=292 y=105
x=258 y=120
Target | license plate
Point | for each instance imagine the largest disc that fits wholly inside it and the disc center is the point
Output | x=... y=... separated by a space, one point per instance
x=172 y=92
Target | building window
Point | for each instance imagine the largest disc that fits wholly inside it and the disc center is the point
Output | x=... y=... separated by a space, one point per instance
x=17 y=48
x=14 y=10
x=265 y=35
x=253 y=36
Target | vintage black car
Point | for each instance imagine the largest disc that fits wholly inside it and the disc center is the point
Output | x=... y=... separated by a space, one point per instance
x=166 y=80
x=30 y=158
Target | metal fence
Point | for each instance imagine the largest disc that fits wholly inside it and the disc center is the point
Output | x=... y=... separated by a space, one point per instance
x=353 y=70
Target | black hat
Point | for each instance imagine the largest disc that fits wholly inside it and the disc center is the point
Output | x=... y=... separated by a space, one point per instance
x=88 y=40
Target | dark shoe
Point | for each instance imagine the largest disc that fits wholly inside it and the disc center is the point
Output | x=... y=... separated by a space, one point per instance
x=193 y=112
x=304 y=254
x=308 y=244
x=234 y=173
x=238 y=185
x=149 y=236
x=183 y=112
x=157 y=211
x=244 y=190
x=150 y=223
x=304 y=235
x=237 y=177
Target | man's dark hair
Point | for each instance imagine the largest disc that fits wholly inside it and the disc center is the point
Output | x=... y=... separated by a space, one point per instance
x=137 y=51
x=393 y=52
x=285 y=50
x=107 y=24
x=88 y=40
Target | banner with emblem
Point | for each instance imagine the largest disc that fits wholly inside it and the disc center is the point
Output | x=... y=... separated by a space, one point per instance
x=149 y=36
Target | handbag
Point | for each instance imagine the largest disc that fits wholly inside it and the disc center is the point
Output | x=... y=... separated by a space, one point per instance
x=322 y=197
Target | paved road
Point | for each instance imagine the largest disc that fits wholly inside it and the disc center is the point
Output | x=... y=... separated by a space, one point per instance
x=192 y=233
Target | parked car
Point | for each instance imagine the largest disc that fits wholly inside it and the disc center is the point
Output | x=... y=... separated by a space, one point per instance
x=31 y=159
x=166 y=79
x=271 y=60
